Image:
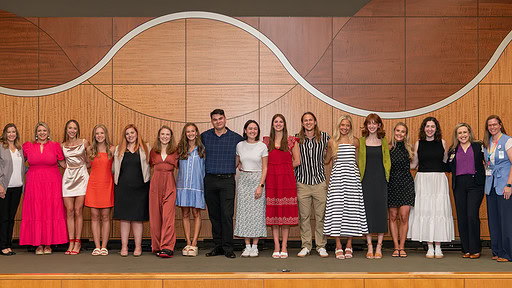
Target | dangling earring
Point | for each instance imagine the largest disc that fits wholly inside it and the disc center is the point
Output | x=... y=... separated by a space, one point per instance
x=36 y=137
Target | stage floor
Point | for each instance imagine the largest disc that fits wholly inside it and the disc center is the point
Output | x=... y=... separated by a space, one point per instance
x=27 y=262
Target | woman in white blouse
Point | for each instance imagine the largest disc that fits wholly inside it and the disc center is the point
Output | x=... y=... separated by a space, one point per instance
x=12 y=170
x=252 y=159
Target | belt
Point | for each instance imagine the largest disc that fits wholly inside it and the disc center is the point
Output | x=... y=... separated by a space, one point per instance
x=222 y=176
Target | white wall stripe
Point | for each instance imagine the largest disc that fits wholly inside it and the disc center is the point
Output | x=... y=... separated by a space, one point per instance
x=282 y=58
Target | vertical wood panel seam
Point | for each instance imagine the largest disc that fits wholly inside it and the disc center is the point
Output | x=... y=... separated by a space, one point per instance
x=38 y=64
x=186 y=84
x=405 y=54
x=112 y=98
x=259 y=75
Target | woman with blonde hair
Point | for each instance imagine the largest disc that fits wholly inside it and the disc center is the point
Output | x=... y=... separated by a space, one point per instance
x=400 y=187
x=100 y=189
x=345 y=214
x=131 y=176
x=162 y=193
x=190 y=184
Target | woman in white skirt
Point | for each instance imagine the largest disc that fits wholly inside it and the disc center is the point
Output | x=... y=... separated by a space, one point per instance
x=252 y=159
x=431 y=217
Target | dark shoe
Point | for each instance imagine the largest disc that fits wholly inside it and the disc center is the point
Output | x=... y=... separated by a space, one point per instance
x=8 y=253
x=215 y=252
x=230 y=255
x=474 y=256
x=166 y=253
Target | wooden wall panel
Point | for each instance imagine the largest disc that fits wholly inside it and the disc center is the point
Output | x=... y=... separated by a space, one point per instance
x=372 y=97
x=271 y=70
x=18 y=51
x=146 y=125
x=22 y=111
x=494 y=99
x=426 y=94
x=451 y=55
x=219 y=53
x=322 y=73
x=220 y=283
x=156 y=56
x=55 y=67
x=361 y=61
x=441 y=8
x=414 y=283
x=30 y=283
x=146 y=283
x=104 y=76
x=491 y=31
x=306 y=45
x=502 y=71
x=495 y=8
x=487 y=283
x=358 y=123
x=271 y=93
x=123 y=25
x=317 y=283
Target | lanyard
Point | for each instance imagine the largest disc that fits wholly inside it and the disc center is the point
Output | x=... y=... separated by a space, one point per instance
x=489 y=151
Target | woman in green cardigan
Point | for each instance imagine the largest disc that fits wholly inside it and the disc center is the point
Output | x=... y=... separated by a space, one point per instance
x=374 y=165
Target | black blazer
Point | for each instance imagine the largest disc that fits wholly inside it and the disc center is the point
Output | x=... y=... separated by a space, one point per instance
x=479 y=164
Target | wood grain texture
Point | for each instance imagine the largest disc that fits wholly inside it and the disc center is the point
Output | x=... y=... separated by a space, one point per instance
x=146 y=125
x=494 y=99
x=161 y=101
x=317 y=283
x=30 y=283
x=502 y=70
x=382 y=8
x=239 y=283
x=83 y=103
x=85 y=39
x=270 y=93
x=118 y=283
x=488 y=283
x=338 y=23
x=414 y=283
x=321 y=73
x=55 y=67
x=441 y=8
x=357 y=58
x=372 y=97
x=358 y=123
x=423 y=95
x=219 y=53
x=491 y=32
x=271 y=70
x=253 y=21
x=495 y=8
x=104 y=76
x=451 y=55
x=18 y=52
x=156 y=56
x=22 y=111
x=123 y=25
x=302 y=39
x=235 y=100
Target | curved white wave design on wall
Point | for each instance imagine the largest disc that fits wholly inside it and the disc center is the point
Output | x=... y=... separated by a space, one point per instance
x=282 y=58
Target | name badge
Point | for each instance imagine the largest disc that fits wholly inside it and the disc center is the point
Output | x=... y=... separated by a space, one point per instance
x=501 y=154
x=451 y=157
x=488 y=172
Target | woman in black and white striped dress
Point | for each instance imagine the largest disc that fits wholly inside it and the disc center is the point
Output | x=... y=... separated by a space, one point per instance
x=345 y=214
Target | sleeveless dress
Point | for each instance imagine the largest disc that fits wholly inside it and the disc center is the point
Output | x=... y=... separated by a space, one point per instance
x=375 y=191
x=401 y=183
x=281 y=187
x=431 y=217
x=100 y=189
x=345 y=214
x=75 y=178
x=190 y=182
x=43 y=218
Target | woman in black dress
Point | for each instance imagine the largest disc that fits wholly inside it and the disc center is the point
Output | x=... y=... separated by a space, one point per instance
x=400 y=187
x=131 y=179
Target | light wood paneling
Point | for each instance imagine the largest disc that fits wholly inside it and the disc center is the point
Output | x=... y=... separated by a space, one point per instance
x=123 y=25
x=491 y=32
x=317 y=283
x=156 y=56
x=494 y=99
x=161 y=101
x=338 y=23
x=83 y=103
x=146 y=125
x=321 y=73
x=237 y=124
x=219 y=53
x=116 y=231
x=383 y=97
x=104 y=76
x=112 y=283
x=423 y=95
x=270 y=93
x=235 y=100
x=30 y=283
x=413 y=283
x=22 y=111
x=502 y=70
x=487 y=283
x=239 y=283
x=271 y=69
x=358 y=123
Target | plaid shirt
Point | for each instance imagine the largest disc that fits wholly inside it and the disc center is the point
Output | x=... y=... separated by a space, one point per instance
x=220 y=151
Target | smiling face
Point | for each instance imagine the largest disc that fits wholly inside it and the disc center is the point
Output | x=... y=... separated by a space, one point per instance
x=372 y=127
x=191 y=133
x=218 y=121
x=99 y=135
x=278 y=124
x=494 y=127
x=165 y=136
x=11 y=134
x=71 y=130
x=252 y=131
x=308 y=122
x=130 y=135
x=345 y=127
x=400 y=133
x=42 y=133
x=430 y=129
x=463 y=134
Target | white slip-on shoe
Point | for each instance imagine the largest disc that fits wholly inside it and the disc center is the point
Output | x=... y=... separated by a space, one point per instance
x=304 y=252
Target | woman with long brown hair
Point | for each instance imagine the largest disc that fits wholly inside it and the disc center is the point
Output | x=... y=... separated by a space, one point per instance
x=100 y=189
x=281 y=188
x=131 y=176
x=162 y=193
x=190 y=184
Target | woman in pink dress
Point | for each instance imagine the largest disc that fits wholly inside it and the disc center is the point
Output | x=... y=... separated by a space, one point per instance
x=281 y=187
x=43 y=220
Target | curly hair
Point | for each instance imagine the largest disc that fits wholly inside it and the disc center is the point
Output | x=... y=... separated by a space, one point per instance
x=438 y=136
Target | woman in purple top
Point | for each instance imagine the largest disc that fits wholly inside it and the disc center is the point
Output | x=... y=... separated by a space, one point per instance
x=466 y=162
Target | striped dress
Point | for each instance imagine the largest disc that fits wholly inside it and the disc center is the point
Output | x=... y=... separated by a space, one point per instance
x=345 y=214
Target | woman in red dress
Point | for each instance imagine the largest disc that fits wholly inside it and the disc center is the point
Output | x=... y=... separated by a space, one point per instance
x=281 y=187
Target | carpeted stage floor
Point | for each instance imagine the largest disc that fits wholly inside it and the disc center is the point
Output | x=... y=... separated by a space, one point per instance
x=27 y=262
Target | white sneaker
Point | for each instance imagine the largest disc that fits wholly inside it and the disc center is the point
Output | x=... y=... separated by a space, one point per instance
x=304 y=252
x=430 y=254
x=438 y=253
x=254 y=252
x=322 y=252
x=246 y=252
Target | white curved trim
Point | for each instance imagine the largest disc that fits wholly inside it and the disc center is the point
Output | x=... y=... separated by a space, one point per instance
x=282 y=58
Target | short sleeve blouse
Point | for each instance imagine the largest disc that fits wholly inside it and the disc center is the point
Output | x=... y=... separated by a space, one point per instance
x=251 y=154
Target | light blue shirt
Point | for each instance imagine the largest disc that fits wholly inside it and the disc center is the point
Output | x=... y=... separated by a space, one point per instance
x=191 y=173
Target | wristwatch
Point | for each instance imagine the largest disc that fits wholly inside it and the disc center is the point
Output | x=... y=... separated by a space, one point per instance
x=508 y=185
x=262 y=185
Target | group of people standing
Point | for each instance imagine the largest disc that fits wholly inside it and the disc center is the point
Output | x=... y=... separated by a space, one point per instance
x=282 y=183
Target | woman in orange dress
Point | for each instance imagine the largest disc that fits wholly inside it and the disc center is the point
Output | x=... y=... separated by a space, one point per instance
x=100 y=189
